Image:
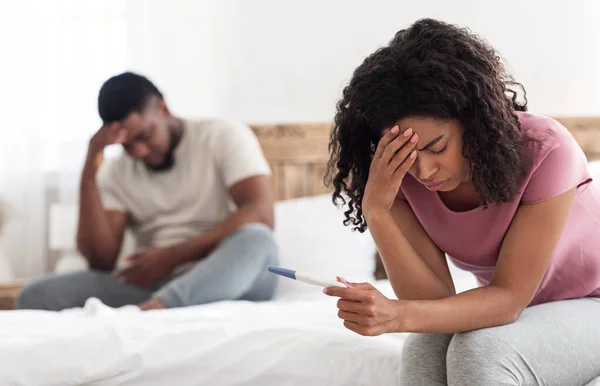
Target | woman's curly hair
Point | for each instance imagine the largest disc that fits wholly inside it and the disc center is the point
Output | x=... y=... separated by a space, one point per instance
x=432 y=69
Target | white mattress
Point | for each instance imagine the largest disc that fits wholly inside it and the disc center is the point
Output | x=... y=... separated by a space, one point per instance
x=226 y=343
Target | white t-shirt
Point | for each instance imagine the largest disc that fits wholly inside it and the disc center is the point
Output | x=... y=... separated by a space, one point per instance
x=168 y=207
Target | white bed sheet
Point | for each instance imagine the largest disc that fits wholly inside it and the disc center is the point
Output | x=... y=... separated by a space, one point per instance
x=56 y=349
x=291 y=343
x=283 y=342
x=225 y=343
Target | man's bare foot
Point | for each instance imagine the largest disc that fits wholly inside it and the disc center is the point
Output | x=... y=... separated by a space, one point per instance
x=152 y=304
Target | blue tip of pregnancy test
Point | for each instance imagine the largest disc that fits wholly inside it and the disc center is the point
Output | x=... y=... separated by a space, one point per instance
x=282 y=271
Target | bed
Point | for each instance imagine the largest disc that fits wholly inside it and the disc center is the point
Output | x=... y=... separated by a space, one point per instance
x=296 y=339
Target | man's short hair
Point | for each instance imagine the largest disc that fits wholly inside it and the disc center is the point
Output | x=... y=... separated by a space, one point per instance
x=123 y=94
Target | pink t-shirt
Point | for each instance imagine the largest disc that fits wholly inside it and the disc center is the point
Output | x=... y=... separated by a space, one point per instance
x=472 y=239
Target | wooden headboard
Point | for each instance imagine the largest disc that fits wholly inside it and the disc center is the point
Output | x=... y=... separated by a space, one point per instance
x=586 y=131
x=298 y=152
x=298 y=157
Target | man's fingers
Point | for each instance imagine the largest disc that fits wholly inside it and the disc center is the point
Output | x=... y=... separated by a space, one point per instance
x=121 y=275
x=127 y=275
x=134 y=279
x=114 y=133
x=110 y=128
x=386 y=139
x=117 y=134
x=132 y=258
x=124 y=271
x=121 y=136
x=113 y=127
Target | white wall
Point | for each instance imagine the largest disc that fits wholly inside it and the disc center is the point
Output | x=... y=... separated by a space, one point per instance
x=256 y=60
x=273 y=60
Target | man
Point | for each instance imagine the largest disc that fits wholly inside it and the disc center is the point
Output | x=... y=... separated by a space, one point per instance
x=196 y=195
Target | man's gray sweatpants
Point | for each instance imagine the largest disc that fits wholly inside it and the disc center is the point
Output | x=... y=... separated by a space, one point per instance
x=235 y=270
x=550 y=344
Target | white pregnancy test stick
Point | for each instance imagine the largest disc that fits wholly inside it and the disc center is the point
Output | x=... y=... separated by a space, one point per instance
x=303 y=277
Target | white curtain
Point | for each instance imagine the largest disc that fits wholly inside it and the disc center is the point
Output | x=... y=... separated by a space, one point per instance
x=55 y=55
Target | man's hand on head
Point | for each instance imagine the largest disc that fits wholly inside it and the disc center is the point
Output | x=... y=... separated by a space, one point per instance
x=108 y=134
x=147 y=268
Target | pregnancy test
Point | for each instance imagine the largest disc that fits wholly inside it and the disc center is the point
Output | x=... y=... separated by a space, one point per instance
x=303 y=277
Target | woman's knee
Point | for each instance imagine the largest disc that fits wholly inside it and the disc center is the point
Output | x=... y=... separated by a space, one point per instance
x=479 y=356
x=424 y=359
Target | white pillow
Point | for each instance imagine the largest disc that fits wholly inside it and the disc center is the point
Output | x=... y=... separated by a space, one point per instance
x=312 y=238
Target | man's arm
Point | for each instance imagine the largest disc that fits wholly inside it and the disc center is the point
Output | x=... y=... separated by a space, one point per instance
x=254 y=199
x=100 y=232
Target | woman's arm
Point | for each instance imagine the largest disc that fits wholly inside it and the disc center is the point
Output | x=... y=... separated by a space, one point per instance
x=416 y=267
x=524 y=258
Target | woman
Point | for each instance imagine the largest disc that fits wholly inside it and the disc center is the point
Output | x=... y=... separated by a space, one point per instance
x=435 y=153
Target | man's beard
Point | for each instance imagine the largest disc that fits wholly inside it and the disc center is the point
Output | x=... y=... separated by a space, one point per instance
x=169 y=161
x=167 y=164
